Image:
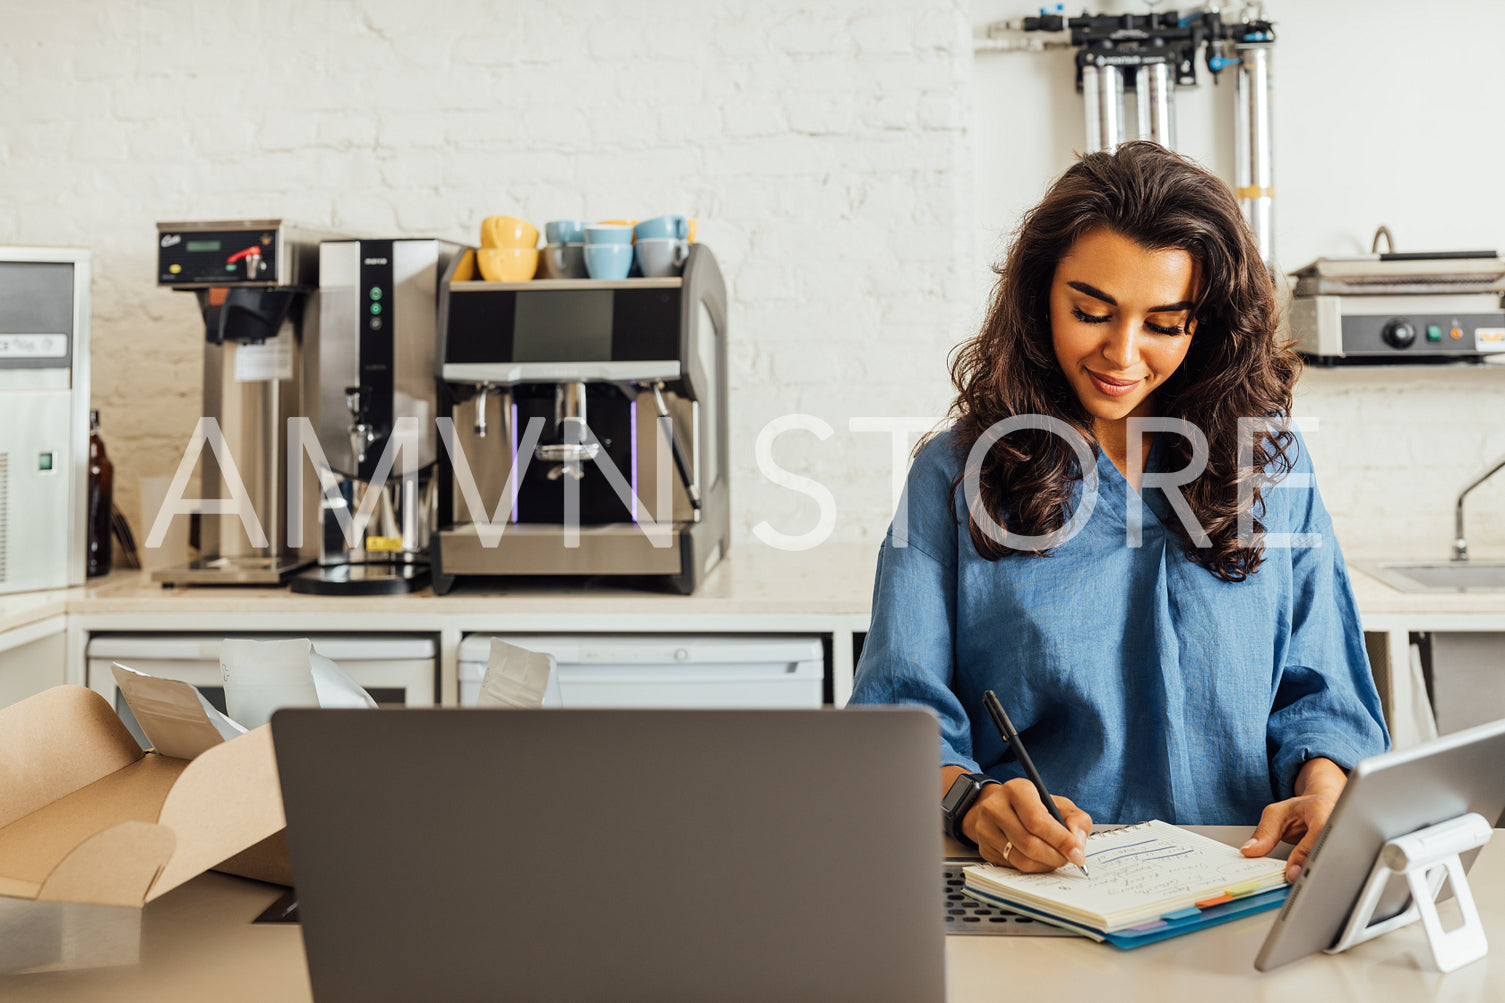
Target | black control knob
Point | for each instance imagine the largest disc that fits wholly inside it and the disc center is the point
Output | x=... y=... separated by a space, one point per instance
x=1398 y=333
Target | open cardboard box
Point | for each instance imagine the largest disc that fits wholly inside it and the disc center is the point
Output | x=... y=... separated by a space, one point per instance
x=87 y=817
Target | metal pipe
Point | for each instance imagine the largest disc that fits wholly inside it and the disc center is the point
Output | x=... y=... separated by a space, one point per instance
x=1254 y=178
x=1031 y=44
x=1460 y=546
x=1155 y=92
x=1103 y=98
x=1091 y=119
x=1110 y=106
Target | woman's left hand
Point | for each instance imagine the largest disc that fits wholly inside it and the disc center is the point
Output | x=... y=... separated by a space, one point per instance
x=1299 y=818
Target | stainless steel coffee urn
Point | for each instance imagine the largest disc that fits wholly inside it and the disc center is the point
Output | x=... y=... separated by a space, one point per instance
x=44 y=416
x=370 y=397
x=255 y=281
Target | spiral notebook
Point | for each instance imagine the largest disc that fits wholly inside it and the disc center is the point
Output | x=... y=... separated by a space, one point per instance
x=1149 y=881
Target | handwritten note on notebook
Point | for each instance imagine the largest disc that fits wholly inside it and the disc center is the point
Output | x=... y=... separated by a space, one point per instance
x=1138 y=873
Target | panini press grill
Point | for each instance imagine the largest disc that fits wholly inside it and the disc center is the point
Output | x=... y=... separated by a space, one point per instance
x=1385 y=308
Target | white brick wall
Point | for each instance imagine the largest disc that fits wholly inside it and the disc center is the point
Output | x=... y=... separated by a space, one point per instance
x=822 y=148
x=1393 y=449
x=826 y=149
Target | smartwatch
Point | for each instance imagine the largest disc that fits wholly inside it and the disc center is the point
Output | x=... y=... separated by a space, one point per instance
x=959 y=799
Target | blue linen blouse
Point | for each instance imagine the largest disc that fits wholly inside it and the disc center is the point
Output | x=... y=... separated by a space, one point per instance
x=1142 y=685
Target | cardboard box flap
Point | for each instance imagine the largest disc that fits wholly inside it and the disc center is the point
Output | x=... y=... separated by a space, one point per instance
x=113 y=867
x=31 y=848
x=86 y=817
x=266 y=861
x=57 y=742
x=224 y=801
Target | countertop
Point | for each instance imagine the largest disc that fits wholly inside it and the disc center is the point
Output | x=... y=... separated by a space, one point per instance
x=831 y=580
x=197 y=942
x=22 y=608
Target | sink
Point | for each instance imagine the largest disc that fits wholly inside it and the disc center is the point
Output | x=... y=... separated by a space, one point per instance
x=1439 y=576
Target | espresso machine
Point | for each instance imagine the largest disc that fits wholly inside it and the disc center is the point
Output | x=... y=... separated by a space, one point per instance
x=256 y=283
x=44 y=417
x=589 y=427
x=370 y=395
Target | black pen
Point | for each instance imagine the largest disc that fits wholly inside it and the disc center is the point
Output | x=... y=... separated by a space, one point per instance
x=1011 y=738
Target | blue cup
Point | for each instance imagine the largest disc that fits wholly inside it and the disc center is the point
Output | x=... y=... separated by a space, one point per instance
x=609 y=233
x=608 y=261
x=663 y=227
x=565 y=231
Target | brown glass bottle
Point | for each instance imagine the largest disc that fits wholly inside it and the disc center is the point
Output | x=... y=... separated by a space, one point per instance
x=101 y=501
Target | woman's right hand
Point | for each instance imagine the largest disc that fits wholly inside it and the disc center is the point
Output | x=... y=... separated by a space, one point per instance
x=1010 y=825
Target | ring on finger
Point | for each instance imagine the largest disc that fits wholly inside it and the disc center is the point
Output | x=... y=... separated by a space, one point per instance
x=1008 y=847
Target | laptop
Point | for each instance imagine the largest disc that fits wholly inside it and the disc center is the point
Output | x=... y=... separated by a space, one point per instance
x=615 y=854
x=1387 y=796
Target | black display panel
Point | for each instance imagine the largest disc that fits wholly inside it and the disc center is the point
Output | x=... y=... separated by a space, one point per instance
x=645 y=325
x=374 y=298
x=572 y=326
x=480 y=327
x=199 y=257
x=563 y=326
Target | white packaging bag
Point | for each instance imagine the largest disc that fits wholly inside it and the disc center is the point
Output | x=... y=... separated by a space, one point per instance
x=264 y=676
x=518 y=678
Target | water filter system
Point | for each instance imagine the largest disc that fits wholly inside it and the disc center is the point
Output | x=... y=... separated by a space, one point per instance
x=1150 y=55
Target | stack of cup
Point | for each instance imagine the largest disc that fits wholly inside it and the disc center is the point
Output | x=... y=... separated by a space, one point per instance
x=509 y=249
x=608 y=250
x=564 y=254
x=663 y=244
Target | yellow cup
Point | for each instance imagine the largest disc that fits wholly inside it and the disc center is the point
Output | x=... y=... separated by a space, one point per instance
x=508 y=231
x=507 y=264
x=691 y=235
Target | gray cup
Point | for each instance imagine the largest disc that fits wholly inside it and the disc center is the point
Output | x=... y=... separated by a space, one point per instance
x=661 y=257
x=563 y=261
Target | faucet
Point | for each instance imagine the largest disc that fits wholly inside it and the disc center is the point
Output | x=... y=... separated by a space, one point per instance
x=1460 y=546
x=362 y=433
x=483 y=390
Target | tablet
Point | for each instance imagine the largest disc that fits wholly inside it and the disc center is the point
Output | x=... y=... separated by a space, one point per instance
x=1387 y=796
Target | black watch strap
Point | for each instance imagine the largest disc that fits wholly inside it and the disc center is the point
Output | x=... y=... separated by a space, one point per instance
x=963 y=794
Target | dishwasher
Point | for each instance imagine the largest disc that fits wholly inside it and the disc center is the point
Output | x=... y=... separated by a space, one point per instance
x=395 y=669
x=666 y=671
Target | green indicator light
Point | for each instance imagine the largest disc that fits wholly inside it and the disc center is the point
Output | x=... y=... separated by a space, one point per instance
x=230 y=268
x=376 y=292
x=376 y=308
x=1434 y=333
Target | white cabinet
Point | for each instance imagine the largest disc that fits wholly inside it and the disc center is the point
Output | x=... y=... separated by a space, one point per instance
x=636 y=670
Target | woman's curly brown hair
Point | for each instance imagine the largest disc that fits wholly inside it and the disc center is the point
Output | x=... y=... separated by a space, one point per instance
x=1235 y=366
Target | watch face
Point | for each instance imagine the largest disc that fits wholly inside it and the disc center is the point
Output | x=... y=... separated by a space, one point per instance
x=961 y=788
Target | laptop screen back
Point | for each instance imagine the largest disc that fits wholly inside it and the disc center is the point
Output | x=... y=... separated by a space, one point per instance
x=580 y=854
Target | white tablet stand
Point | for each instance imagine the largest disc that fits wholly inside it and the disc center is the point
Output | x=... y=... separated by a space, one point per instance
x=1425 y=857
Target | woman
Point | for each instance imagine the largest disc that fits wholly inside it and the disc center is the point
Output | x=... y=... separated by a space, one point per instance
x=1181 y=663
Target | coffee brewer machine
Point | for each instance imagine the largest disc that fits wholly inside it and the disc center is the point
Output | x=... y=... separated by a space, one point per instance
x=255 y=281
x=371 y=396
x=590 y=426
x=44 y=417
